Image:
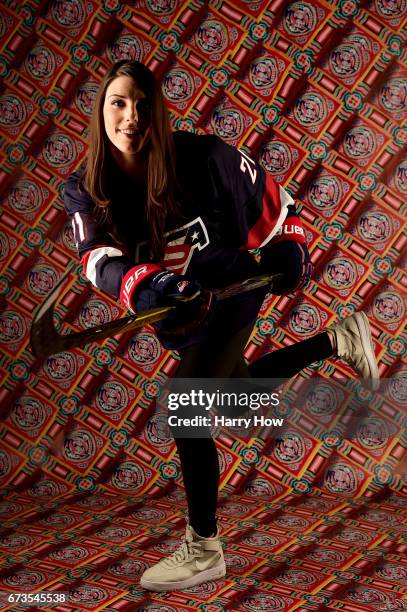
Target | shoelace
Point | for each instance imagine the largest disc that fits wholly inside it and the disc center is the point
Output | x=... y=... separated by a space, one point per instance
x=348 y=359
x=349 y=356
x=187 y=551
x=346 y=352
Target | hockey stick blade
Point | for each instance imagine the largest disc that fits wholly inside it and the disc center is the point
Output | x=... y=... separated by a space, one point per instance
x=45 y=340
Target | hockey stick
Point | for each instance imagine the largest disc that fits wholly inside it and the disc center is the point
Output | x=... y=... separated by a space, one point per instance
x=46 y=340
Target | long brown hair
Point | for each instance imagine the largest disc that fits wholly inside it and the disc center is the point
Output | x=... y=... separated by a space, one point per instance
x=161 y=155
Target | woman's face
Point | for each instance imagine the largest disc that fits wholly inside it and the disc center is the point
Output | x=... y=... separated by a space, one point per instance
x=127 y=118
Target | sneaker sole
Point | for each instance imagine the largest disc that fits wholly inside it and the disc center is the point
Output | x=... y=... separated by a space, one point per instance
x=212 y=573
x=367 y=343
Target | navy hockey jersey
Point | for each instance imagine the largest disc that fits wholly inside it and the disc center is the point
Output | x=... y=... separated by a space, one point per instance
x=228 y=206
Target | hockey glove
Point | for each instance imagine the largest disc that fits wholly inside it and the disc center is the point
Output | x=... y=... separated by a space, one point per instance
x=169 y=289
x=292 y=260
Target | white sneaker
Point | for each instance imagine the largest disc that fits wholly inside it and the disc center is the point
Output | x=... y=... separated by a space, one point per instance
x=197 y=560
x=355 y=346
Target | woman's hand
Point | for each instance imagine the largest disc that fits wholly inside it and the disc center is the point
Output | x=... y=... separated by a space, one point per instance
x=290 y=259
x=173 y=288
x=169 y=289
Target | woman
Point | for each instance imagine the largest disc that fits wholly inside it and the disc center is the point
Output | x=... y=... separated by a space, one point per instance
x=160 y=217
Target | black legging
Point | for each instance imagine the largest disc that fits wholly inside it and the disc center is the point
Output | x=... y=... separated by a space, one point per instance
x=222 y=357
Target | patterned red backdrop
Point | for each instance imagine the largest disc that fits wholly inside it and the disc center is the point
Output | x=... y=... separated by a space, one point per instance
x=90 y=492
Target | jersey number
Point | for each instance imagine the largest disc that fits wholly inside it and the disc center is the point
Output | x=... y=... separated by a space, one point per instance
x=78 y=229
x=247 y=163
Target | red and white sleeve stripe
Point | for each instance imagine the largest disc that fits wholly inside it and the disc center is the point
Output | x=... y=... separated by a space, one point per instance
x=275 y=204
x=91 y=258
